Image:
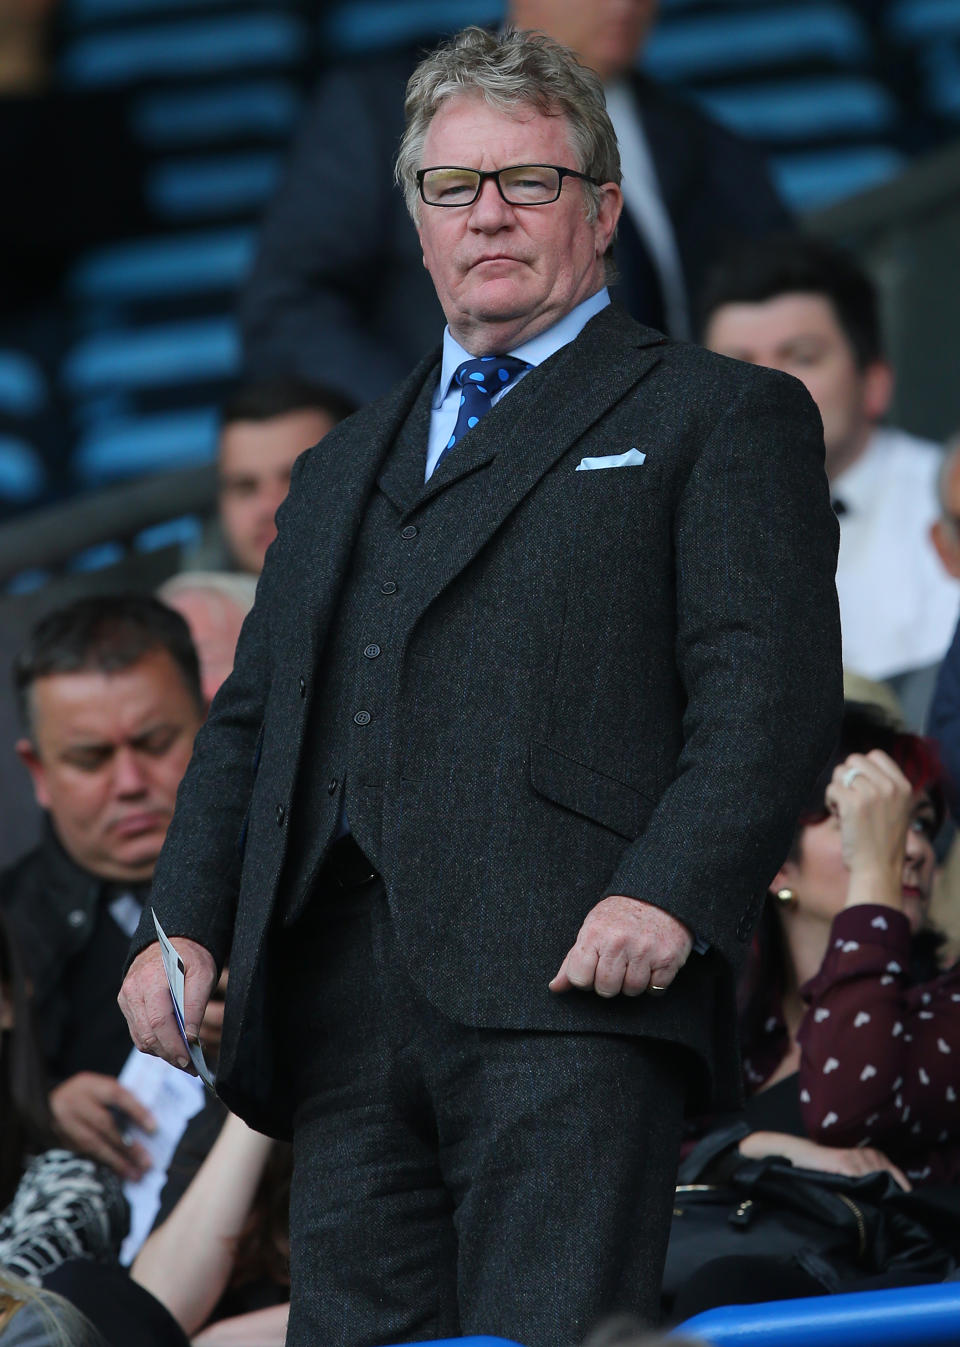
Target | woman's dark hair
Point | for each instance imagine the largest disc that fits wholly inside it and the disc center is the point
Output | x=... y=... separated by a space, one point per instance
x=26 y=1127
x=263 y=1245
x=864 y=727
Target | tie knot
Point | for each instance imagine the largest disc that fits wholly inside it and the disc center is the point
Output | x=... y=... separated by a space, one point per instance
x=488 y=374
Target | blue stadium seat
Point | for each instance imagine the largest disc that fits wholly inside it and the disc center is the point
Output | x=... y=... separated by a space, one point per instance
x=23 y=478
x=96 y=11
x=921 y=20
x=23 y=387
x=204 y=47
x=804 y=109
x=813 y=179
x=191 y=264
x=940 y=67
x=713 y=45
x=178 y=119
x=213 y=185
x=186 y=531
x=134 y=446
x=370 y=25
x=151 y=357
x=910 y=1316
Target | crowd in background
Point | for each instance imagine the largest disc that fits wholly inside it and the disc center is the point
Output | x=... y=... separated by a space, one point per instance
x=144 y=1211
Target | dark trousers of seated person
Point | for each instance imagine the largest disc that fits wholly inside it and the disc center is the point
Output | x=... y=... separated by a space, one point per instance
x=122 y=1311
x=753 y=1279
x=450 y=1180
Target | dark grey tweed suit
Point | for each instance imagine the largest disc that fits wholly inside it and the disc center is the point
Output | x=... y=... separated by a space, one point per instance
x=612 y=681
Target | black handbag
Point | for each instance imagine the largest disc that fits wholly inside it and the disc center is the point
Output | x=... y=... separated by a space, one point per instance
x=835 y=1227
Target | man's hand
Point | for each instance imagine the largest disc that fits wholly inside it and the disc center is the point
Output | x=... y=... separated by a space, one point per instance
x=625 y=945
x=87 y=1111
x=145 y=1000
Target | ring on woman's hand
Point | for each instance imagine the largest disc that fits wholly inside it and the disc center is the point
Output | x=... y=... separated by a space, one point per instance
x=850 y=775
x=653 y=990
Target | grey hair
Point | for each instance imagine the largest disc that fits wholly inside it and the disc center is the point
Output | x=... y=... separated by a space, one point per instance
x=511 y=69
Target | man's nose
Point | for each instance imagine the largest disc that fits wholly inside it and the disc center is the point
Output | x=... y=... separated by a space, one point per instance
x=129 y=777
x=490 y=211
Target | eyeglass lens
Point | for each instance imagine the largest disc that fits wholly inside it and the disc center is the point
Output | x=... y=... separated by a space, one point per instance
x=522 y=185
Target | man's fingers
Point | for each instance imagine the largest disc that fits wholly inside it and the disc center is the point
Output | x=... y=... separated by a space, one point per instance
x=576 y=971
x=611 y=968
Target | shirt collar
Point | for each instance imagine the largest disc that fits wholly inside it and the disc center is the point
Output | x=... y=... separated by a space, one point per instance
x=535 y=351
x=856 y=486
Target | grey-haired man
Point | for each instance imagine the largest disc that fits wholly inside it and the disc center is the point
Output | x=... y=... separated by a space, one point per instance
x=542 y=666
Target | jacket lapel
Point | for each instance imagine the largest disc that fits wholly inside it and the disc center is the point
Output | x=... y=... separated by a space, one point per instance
x=331 y=509
x=529 y=430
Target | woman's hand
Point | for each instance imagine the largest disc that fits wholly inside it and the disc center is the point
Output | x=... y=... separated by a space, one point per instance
x=854 y=1161
x=872 y=801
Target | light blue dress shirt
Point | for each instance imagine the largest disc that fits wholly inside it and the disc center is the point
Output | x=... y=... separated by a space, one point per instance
x=446 y=400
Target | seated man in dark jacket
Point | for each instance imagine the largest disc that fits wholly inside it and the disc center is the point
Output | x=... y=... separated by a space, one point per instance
x=110 y=699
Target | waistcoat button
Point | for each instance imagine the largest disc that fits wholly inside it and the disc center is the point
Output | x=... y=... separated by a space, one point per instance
x=388 y=587
x=281 y=814
x=409 y=531
x=372 y=651
x=362 y=718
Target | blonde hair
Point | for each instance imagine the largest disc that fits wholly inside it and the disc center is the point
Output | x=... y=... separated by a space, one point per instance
x=65 y=1325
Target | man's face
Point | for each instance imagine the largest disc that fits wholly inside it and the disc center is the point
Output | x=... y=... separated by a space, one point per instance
x=504 y=273
x=606 y=34
x=256 y=458
x=107 y=755
x=800 y=334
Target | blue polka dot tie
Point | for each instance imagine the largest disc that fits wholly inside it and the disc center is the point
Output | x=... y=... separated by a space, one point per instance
x=479 y=380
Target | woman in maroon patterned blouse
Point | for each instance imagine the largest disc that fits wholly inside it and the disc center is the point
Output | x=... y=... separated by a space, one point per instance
x=850 y=1032
x=849 y=1015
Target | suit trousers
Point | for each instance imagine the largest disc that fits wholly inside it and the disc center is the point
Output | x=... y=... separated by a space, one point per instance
x=454 y=1180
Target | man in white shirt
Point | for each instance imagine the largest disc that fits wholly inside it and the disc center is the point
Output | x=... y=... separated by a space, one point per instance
x=803 y=306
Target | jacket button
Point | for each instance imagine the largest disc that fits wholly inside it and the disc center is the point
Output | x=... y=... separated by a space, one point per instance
x=281 y=815
x=409 y=531
x=332 y=786
x=388 y=587
x=76 y=918
x=362 y=718
x=372 y=651
x=303 y=687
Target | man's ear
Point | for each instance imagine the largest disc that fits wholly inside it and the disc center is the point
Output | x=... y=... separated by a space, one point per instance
x=947 y=545
x=608 y=213
x=30 y=758
x=877 y=389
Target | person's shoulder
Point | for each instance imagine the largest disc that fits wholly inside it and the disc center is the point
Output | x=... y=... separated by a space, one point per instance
x=20 y=876
x=904 y=450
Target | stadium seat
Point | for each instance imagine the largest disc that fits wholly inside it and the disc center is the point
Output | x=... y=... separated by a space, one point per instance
x=910 y=1316
x=691 y=47
x=204 y=47
x=178 y=119
x=804 y=109
x=167 y=353
x=809 y=181
x=134 y=446
x=23 y=478
x=370 y=25
x=23 y=387
x=196 y=263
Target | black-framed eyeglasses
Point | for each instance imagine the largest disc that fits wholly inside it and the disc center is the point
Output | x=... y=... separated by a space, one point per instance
x=519 y=185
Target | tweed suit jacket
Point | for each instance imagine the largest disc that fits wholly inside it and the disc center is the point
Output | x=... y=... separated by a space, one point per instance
x=619 y=680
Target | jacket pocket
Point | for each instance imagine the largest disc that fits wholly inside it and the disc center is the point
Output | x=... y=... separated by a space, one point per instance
x=585 y=790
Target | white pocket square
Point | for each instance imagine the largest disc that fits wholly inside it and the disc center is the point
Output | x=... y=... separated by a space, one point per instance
x=631 y=459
